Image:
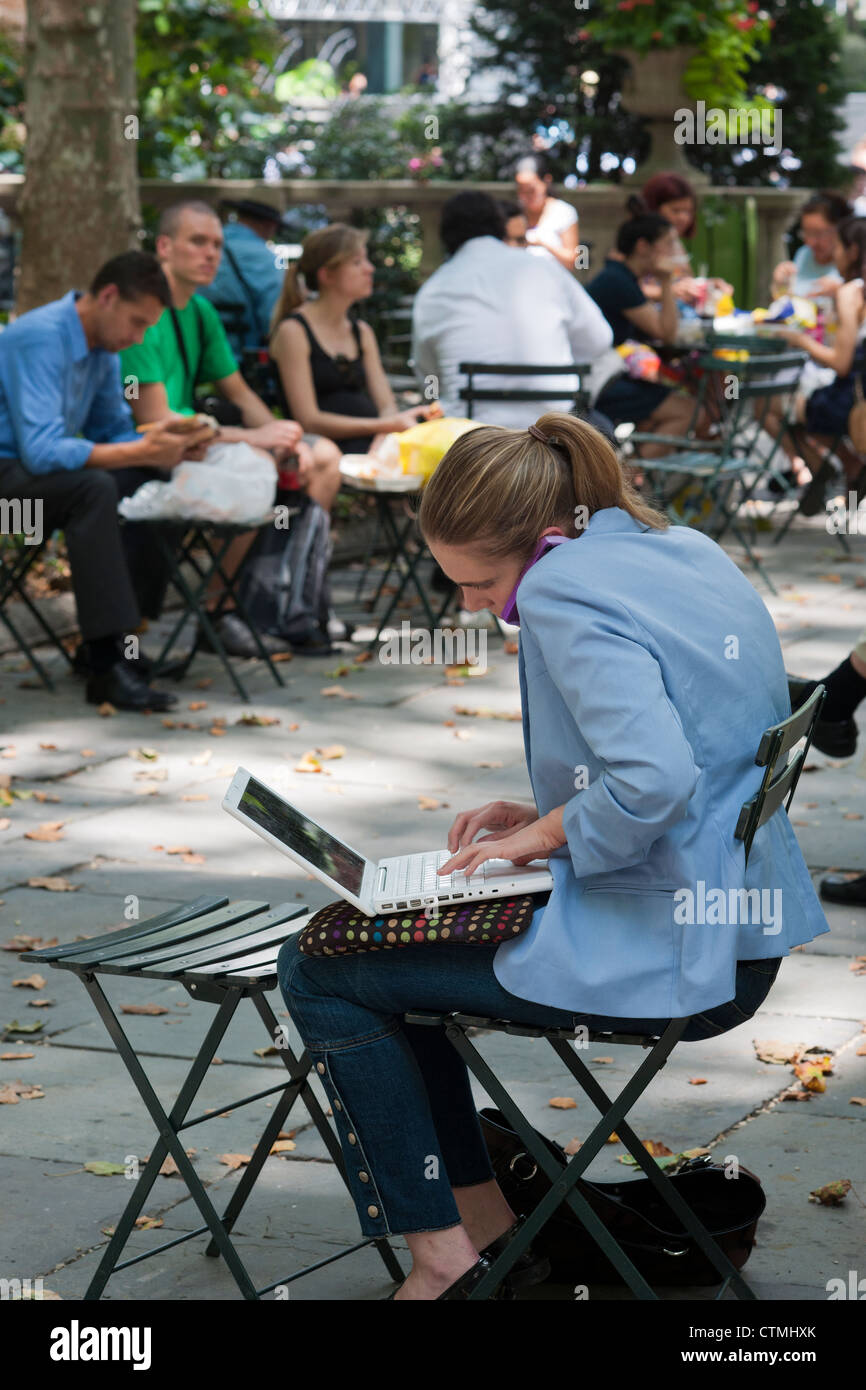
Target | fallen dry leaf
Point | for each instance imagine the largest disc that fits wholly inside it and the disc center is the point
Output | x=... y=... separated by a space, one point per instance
x=428 y=803
x=53 y=885
x=152 y=774
x=256 y=721
x=773 y=1050
x=283 y=1146
x=602 y=1061
x=13 y=1091
x=309 y=763
x=656 y=1148
x=51 y=747
x=197 y=704
x=16 y=1056
x=30 y=982
x=857 y=1100
x=87 y=752
x=697 y=1081
x=490 y=764
x=201 y=758
x=484 y=712
x=144 y=755
x=832 y=1193
x=5 y=823
x=40 y=1003
x=563 y=1103
x=217 y=731
x=106 y=709
x=362 y=657
x=44 y=796
x=48 y=830
x=331 y=750
x=572 y=1146
x=196 y=796
x=233 y=1161
x=21 y=942
x=294 y=727
x=339 y=690
x=143 y=1009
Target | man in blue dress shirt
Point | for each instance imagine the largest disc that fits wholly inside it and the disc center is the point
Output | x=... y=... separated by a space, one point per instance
x=64 y=424
x=248 y=274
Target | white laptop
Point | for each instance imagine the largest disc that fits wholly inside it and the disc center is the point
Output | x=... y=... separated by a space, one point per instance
x=392 y=884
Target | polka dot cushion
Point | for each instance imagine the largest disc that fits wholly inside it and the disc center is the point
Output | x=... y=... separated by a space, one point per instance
x=339 y=928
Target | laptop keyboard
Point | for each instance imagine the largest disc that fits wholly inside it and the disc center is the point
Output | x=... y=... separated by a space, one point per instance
x=416 y=877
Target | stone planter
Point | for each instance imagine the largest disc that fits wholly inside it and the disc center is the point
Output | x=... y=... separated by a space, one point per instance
x=654 y=89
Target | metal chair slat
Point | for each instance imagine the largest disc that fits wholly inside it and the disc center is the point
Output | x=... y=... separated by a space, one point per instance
x=175 y=915
x=257 y=932
x=108 y=955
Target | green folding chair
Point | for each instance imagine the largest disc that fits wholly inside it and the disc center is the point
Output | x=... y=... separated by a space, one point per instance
x=706 y=484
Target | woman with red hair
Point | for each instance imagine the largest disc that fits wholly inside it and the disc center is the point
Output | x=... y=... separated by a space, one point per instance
x=673 y=197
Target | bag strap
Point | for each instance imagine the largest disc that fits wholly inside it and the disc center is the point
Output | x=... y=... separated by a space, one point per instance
x=191 y=378
x=245 y=286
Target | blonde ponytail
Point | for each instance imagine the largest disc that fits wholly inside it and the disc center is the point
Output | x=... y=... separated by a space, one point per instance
x=501 y=487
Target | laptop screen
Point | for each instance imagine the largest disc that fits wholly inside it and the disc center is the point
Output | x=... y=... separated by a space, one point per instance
x=302 y=835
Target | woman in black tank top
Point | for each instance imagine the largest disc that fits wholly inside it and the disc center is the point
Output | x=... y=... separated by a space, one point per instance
x=329 y=366
x=340 y=384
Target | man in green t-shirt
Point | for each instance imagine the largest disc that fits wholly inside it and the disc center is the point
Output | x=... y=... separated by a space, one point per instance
x=187 y=347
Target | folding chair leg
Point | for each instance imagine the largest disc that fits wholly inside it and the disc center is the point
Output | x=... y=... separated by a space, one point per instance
x=561 y=1183
x=25 y=647
x=168 y=1143
x=663 y=1185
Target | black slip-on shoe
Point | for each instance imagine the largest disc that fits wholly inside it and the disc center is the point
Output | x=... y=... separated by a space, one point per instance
x=125 y=689
x=528 y=1269
x=835 y=738
x=836 y=888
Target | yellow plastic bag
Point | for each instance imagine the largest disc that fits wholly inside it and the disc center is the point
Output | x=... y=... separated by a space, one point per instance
x=425 y=445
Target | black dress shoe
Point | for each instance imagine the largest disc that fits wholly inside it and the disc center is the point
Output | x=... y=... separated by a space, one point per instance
x=836 y=888
x=528 y=1269
x=144 y=665
x=122 y=687
x=836 y=738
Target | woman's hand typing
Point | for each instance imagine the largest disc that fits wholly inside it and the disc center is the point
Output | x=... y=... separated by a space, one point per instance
x=501 y=818
x=521 y=836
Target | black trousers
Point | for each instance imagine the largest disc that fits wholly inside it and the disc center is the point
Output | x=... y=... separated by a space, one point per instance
x=82 y=503
x=146 y=560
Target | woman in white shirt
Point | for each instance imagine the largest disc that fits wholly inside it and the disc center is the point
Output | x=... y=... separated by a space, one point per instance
x=551 y=223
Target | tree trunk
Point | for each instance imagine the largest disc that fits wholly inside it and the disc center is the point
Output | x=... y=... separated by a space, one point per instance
x=79 y=204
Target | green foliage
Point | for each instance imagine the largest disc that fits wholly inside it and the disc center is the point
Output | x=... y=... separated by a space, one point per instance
x=310 y=79
x=12 y=131
x=202 y=110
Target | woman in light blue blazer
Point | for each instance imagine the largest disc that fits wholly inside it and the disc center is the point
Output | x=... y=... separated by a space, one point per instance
x=649 y=669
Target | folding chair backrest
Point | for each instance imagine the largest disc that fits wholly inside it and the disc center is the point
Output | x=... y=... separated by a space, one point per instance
x=777 y=742
x=471 y=393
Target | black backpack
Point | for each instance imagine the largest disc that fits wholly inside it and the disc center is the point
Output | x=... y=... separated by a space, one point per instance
x=284 y=587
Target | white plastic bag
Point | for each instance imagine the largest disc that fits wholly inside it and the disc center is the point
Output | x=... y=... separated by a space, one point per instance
x=234 y=483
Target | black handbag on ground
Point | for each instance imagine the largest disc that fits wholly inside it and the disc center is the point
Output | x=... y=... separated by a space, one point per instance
x=646 y=1229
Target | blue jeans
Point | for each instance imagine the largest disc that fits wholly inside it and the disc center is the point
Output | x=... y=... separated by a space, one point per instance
x=400 y=1093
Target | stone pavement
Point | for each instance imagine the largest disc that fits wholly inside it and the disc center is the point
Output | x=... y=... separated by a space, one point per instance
x=122 y=811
